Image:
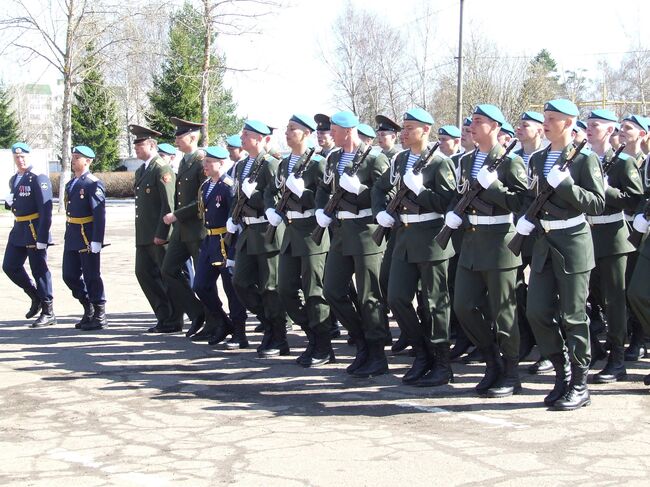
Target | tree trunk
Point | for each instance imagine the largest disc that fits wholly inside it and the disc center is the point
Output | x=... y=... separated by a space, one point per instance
x=66 y=111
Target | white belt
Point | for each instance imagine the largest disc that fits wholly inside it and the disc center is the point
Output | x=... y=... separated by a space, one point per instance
x=490 y=220
x=296 y=215
x=423 y=217
x=251 y=220
x=629 y=218
x=348 y=215
x=549 y=225
x=602 y=219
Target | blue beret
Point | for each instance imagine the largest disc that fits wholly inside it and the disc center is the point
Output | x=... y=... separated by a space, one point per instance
x=450 y=130
x=20 y=148
x=216 y=152
x=508 y=129
x=533 y=116
x=167 y=149
x=566 y=107
x=234 y=141
x=304 y=120
x=419 y=115
x=257 y=127
x=490 y=111
x=347 y=120
x=84 y=150
x=600 y=114
x=467 y=122
x=638 y=120
x=367 y=130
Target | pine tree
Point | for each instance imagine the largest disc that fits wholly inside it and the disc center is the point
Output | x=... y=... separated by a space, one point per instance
x=95 y=120
x=176 y=91
x=9 y=133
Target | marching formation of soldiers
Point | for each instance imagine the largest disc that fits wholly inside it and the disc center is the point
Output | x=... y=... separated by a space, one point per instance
x=502 y=249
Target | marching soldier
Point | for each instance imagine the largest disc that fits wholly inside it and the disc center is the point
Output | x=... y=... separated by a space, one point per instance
x=416 y=258
x=255 y=278
x=449 y=137
x=302 y=261
x=236 y=153
x=623 y=191
x=188 y=230
x=85 y=209
x=324 y=134
x=366 y=133
x=387 y=131
x=506 y=134
x=486 y=265
x=30 y=200
x=579 y=132
x=352 y=250
x=167 y=153
x=563 y=256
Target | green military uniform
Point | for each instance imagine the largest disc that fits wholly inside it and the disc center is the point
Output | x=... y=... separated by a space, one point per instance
x=187 y=233
x=610 y=236
x=256 y=268
x=418 y=259
x=353 y=252
x=154 y=198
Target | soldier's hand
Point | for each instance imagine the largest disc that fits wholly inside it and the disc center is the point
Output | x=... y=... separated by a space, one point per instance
x=485 y=177
x=452 y=220
x=296 y=185
x=169 y=218
x=385 y=220
x=159 y=241
x=95 y=247
x=247 y=187
x=9 y=199
x=41 y=246
x=351 y=184
x=524 y=227
x=415 y=182
x=273 y=217
x=231 y=227
x=230 y=265
x=640 y=224
x=322 y=219
x=556 y=176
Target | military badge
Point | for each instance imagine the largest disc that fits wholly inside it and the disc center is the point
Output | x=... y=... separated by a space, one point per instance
x=166 y=178
x=44 y=186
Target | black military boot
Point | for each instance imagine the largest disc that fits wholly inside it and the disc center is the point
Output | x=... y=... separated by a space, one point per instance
x=461 y=346
x=440 y=373
x=361 y=354
x=562 y=368
x=615 y=368
x=46 y=318
x=35 y=307
x=637 y=349
x=400 y=345
x=305 y=357
x=210 y=326
x=98 y=320
x=577 y=394
x=238 y=339
x=493 y=369
x=646 y=380
x=508 y=382
x=376 y=364
x=422 y=363
x=542 y=366
x=196 y=325
x=278 y=344
x=88 y=313
x=474 y=357
x=222 y=330
x=323 y=353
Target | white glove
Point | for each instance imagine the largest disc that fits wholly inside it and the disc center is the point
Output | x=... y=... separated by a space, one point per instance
x=9 y=199
x=415 y=182
x=273 y=217
x=230 y=263
x=322 y=219
x=248 y=187
x=351 y=184
x=452 y=220
x=41 y=246
x=556 y=176
x=485 y=177
x=95 y=247
x=296 y=185
x=605 y=182
x=640 y=224
x=385 y=220
x=524 y=227
x=231 y=227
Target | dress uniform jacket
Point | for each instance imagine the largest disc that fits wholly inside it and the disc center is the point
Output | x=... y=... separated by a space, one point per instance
x=216 y=206
x=154 y=198
x=85 y=198
x=188 y=180
x=32 y=196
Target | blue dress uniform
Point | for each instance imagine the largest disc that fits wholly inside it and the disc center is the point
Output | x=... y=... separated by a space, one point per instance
x=85 y=223
x=32 y=209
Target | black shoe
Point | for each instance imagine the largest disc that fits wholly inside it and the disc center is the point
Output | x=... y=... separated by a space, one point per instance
x=508 y=382
x=35 y=307
x=560 y=362
x=615 y=368
x=166 y=328
x=474 y=357
x=461 y=346
x=335 y=330
x=360 y=357
x=196 y=325
x=221 y=332
x=238 y=339
x=637 y=348
x=421 y=365
x=400 y=345
x=275 y=349
x=646 y=380
x=493 y=369
x=46 y=317
x=577 y=394
x=542 y=366
x=305 y=357
x=322 y=353
x=88 y=313
x=98 y=320
x=440 y=373
x=376 y=363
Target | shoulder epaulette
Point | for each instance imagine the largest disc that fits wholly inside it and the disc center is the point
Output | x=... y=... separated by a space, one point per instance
x=92 y=177
x=586 y=151
x=228 y=181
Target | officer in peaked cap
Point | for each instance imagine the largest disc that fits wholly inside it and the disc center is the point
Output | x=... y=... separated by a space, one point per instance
x=323 y=134
x=154 y=198
x=30 y=201
x=387 y=131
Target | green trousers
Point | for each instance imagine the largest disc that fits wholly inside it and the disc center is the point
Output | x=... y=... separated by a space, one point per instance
x=607 y=286
x=304 y=273
x=402 y=286
x=339 y=269
x=178 y=286
x=499 y=321
x=638 y=292
x=556 y=301
x=148 y=265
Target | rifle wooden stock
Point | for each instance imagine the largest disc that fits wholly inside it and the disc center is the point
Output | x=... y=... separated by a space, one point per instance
x=396 y=203
x=446 y=231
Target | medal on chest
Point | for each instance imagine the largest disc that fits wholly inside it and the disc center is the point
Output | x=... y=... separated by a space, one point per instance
x=81 y=193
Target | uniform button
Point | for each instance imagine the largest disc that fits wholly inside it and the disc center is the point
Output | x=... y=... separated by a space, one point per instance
x=137 y=187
